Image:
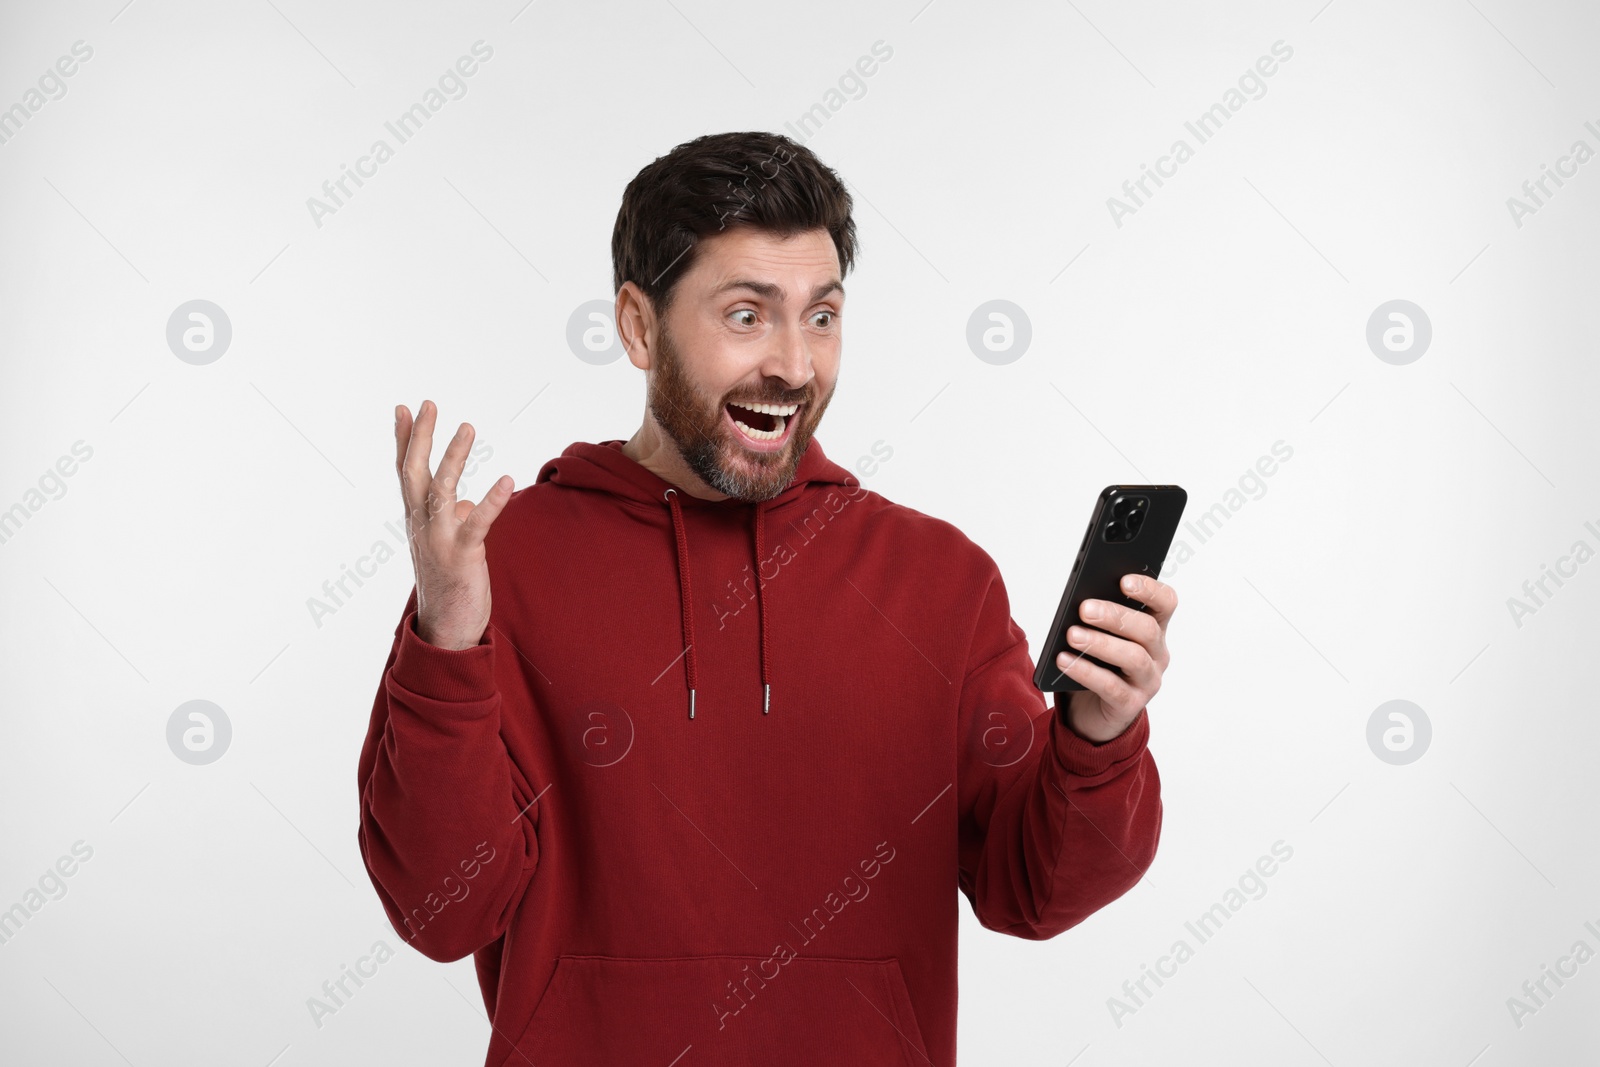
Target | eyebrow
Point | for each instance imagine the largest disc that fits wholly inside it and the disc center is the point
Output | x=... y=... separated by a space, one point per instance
x=776 y=292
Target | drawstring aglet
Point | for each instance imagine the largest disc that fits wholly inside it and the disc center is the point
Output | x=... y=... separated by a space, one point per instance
x=766 y=700
x=691 y=703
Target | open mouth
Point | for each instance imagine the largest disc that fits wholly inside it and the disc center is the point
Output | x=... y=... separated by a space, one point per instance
x=764 y=424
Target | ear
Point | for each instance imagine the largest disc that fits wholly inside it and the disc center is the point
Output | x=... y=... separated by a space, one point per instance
x=636 y=325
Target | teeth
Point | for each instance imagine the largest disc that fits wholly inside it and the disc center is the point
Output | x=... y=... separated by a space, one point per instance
x=761 y=435
x=771 y=409
x=779 y=412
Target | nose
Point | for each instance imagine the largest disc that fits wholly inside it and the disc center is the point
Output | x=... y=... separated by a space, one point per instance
x=788 y=357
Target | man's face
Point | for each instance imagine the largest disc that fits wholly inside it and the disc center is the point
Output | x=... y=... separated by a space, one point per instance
x=756 y=320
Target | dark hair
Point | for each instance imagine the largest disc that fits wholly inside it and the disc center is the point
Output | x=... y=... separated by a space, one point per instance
x=718 y=182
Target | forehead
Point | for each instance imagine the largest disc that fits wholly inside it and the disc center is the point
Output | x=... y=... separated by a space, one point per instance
x=745 y=252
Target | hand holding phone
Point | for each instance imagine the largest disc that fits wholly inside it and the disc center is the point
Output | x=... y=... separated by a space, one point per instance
x=1129 y=533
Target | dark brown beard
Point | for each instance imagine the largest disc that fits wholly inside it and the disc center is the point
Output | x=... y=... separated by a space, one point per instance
x=704 y=439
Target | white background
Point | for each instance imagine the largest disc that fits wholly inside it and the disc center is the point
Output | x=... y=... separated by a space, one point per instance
x=1228 y=313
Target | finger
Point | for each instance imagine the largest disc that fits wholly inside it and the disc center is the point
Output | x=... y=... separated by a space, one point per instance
x=1123 y=621
x=445 y=480
x=476 y=524
x=402 y=433
x=1137 y=663
x=1105 y=684
x=1160 y=598
x=414 y=475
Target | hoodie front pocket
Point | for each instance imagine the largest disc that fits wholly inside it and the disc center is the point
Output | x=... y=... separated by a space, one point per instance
x=699 y=1011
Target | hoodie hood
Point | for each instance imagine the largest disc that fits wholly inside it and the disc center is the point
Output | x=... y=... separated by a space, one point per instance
x=604 y=468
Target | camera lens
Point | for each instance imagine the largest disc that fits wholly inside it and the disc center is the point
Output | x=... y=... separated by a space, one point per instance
x=1135 y=520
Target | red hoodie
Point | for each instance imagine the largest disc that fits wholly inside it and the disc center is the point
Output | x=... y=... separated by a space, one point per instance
x=744 y=852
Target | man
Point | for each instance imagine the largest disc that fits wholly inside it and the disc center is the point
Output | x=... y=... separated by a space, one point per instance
x=699 y=785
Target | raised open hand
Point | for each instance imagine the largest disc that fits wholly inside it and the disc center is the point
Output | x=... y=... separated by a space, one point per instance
x=445 y=534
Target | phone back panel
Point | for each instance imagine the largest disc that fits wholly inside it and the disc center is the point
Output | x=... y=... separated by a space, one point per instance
x=1108 y=551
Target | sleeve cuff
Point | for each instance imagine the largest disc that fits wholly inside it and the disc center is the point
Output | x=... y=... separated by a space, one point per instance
x=446 y=675
x=1095 y=763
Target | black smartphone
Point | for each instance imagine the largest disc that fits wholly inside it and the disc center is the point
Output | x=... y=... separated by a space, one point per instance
x=1130 y=533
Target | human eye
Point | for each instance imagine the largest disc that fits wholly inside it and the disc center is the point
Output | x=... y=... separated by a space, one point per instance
x=746 y=311
x=832 y=317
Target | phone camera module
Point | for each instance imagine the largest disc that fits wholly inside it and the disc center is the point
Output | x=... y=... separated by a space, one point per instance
x=1127 y=515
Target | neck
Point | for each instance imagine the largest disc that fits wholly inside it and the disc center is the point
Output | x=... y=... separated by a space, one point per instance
x=651 y=449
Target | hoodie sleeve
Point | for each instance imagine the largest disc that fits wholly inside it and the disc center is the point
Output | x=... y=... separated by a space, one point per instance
x=448 y=828
x=1053 y=827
